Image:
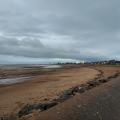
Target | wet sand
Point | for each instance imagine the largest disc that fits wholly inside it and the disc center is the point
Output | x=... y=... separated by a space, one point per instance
x=48 y=86
x=42 y=88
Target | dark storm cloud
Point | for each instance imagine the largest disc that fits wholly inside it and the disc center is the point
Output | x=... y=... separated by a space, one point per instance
x=76 y=29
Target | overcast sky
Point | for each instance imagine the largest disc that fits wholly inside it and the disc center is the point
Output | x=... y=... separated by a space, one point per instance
x=41 y=30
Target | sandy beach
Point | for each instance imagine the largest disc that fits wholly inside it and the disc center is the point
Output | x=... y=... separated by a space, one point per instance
x=47 y=85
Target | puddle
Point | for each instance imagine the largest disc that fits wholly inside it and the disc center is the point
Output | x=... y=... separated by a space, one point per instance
x=52 y=66
x=9 y=81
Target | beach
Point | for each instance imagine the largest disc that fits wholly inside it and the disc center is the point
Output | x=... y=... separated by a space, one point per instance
x=47 y=85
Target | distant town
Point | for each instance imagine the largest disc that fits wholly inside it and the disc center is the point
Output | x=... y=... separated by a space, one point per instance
x=106 y=62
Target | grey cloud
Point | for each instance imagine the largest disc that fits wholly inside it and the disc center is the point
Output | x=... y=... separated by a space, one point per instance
x=86 y=29
x=33 y=48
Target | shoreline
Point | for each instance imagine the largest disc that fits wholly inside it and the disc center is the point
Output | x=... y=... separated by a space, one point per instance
x=52 y=88
x=42 y=88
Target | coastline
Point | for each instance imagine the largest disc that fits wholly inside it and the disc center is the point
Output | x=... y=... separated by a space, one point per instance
x=53 y=86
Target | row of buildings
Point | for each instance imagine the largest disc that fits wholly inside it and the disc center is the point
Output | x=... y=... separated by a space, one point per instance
x=107 y=62
x=110 y=62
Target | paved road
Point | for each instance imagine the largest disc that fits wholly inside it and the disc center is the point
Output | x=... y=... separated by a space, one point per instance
x=100 y=103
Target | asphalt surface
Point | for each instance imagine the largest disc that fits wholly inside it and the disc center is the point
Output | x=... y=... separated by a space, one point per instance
x=100 y=103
